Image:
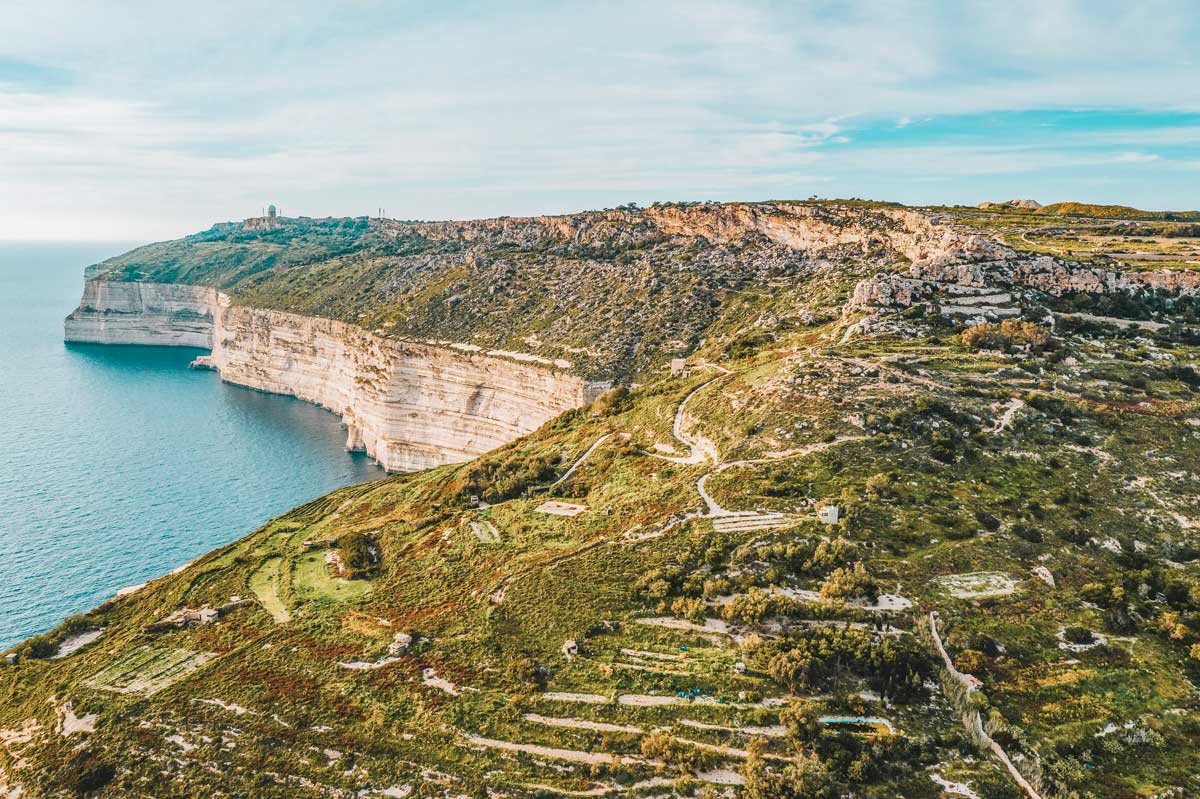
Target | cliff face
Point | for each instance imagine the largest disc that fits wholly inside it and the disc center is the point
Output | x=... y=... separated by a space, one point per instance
x=809 y=228
x=814 y=228
x=409 y=405
x=166 y=314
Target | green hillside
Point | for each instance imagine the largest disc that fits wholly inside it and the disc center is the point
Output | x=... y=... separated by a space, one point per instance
x=1116 y=212
x=653 y=595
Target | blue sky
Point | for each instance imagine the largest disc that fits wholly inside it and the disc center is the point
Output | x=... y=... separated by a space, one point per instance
x=149 y=120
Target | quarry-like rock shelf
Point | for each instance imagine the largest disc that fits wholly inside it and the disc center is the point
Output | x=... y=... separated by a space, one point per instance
x=409 y=405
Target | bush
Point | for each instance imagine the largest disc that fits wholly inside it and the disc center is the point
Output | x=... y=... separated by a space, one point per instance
x=971 y=661
x=879 y=485
x=40 y=646
x=791 y=669
x=1010 y=332
x=802 y=718
x=691 y=609
x=660 y=745
x=611 y=402
x=748 y=608
x=989 y=522
x=1030 y=534
x=359 y=553
x=1078 y=635
x=526 y=671
x=851 y=583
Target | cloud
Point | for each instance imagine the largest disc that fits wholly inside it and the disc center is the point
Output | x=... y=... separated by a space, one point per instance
x=1132 y=158
x=151 y=119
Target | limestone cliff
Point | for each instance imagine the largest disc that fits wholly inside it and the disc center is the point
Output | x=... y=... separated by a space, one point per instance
x=409 y=405
x=166 y=314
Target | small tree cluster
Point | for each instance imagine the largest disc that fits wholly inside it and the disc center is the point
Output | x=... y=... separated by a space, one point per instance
x=850 y=583
x=1010 y=332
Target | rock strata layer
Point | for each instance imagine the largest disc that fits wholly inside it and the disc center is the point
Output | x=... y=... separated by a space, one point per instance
x=409 y=405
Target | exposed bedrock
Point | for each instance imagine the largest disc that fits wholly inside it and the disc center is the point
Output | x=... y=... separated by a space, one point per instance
x=409 y=405
x=166 y=314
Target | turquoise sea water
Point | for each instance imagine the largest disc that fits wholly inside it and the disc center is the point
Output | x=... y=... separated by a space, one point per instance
x=118 y=464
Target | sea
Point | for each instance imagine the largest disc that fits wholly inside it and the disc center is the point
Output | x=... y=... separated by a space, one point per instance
x=119 y=464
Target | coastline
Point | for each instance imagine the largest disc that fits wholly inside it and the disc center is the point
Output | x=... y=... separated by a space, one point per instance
x=409 y=405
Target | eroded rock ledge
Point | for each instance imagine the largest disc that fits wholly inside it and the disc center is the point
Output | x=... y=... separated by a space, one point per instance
x=409 y=405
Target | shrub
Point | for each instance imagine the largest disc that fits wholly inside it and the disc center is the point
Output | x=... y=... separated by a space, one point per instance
x=611 y=402
x=525 y=670
x=359 y=553
x=989 y=522
x=1030 y=534
x=691 y=609
x=791 y=669
x=661 y=745
x=1010 y=332
x=40 y=646
x=971 y=661
x=1078 y=635
x=879 y=485
x=802 y=719
x=850 y=583
x=748 y=608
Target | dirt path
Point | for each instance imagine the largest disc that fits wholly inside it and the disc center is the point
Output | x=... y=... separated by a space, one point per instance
x=566 y=476
x=774 y=731
x=699 y=449
x=571 y=696
x=580 y=724
x=1006 y=419
x=485 y=532
x=571 y=755
x=264 y=582
x=972 y=720
x=715 y=510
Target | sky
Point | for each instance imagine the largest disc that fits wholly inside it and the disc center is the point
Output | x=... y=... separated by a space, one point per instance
x=132 y=120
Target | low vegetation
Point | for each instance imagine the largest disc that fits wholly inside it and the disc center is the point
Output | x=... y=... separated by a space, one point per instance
x=698 y=627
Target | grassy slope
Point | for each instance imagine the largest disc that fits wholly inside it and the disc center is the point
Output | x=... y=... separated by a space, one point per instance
x=1115 y=212
x=1093 y=480
x=1089 y=465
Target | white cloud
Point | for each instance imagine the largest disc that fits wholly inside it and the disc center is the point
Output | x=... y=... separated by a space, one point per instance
x=178 y=114
x=1132 y=158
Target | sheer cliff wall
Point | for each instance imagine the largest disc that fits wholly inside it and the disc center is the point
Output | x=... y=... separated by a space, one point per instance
x=409 y=405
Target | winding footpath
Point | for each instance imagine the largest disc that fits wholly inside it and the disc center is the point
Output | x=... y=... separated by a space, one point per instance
x=699 y=449
x=716 y=510
x=972 y=720
x=567 y=475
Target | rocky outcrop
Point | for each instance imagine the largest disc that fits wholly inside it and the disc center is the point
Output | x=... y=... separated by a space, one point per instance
x=996 y=289
x=1023 y=205
x=918 y=236
x=1056 y=278
x=410 y=405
